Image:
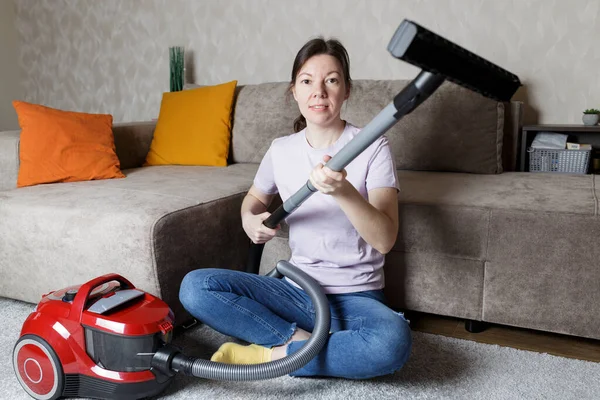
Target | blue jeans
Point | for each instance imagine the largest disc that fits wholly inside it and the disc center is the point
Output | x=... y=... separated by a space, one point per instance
x=368 y=338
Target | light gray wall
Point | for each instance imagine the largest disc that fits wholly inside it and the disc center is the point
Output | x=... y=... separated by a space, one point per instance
x=10 y=88
x=112 y=55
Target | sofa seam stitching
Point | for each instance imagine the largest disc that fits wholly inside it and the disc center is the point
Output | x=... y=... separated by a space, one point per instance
x=485 y=261
x=483 y=290
x=436 y=254
x=487 y=239
x=521 y=210
x=153 y=193
x=499 y=138
x=17 y=158
x=196 y=201
x=154 y=261
x=594 y=195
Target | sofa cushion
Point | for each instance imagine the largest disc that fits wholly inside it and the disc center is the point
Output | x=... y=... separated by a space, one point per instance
x=440 y=135
x=9 y=159
x=434 y=283
x=542 y=272
x=469 y=245
x=262 y=113
x=132 y=140
x=508 y=191
x=452 y=214
x=152 y=227
x=533 y=236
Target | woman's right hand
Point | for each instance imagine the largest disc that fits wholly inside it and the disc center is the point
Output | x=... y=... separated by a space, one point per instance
x=256 y=230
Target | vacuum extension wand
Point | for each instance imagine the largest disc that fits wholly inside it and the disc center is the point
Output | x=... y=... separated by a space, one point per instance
x=439 y=60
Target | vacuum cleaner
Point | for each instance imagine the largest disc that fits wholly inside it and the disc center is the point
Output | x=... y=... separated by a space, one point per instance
x=106 y=339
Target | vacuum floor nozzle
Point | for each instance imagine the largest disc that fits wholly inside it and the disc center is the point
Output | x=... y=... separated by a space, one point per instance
x=430 y=52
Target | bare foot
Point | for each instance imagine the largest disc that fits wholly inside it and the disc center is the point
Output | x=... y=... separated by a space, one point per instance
x=281 y=351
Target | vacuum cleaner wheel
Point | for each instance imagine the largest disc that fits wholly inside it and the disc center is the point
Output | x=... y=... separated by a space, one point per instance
x=38 y=368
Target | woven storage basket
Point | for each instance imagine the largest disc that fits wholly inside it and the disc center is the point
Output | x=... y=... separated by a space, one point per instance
x=559 y=160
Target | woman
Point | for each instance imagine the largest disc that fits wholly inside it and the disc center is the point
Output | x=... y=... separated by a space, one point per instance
x=339 y=236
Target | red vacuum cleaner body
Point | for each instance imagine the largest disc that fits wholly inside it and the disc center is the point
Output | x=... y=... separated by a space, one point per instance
x=94 y=340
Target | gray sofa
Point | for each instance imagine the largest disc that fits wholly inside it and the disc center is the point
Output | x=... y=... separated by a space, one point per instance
x=476 y=240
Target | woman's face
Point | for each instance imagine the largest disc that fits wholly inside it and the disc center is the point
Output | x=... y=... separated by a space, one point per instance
x=320 y=90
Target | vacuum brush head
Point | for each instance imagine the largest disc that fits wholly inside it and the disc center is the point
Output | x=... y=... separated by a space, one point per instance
x=431 y=52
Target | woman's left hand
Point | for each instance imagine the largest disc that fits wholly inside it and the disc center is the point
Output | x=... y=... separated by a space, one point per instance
x=327 y=181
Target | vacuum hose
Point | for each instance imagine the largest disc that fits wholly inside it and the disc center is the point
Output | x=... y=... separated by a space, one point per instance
x=169 y=360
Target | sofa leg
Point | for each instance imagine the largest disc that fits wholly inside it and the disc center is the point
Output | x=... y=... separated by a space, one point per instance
x=186 y=325
x=189 y=323
x=475 y=326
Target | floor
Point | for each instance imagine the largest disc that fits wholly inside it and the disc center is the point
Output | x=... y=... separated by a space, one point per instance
x=543 y=342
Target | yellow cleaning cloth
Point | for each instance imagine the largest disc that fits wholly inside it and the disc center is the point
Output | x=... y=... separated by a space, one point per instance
x=233 y=353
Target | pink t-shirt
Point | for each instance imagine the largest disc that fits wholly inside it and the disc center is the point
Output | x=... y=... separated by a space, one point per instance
x=323 y=242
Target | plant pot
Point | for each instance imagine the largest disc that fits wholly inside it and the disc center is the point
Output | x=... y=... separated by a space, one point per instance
x=590 y=119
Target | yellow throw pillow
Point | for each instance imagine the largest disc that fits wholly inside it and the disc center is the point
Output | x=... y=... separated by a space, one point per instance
x=194 y=127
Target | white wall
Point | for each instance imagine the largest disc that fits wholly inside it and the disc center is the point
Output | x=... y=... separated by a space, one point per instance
x=112 y=55
x=10 y=88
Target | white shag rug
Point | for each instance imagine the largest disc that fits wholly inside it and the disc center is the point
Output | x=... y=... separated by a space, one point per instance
x=439 y=368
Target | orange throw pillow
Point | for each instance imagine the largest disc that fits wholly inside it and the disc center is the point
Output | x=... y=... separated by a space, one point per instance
x=64 y=146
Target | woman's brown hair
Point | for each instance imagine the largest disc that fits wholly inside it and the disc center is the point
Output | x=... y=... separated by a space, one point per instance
x=314 y=47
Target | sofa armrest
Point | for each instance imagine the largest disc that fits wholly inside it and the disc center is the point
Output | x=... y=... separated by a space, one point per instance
x=132 y=142
x=9 y=159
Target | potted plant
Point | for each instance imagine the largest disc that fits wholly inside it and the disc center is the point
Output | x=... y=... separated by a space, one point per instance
x=176 y=64
x=591 y=116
